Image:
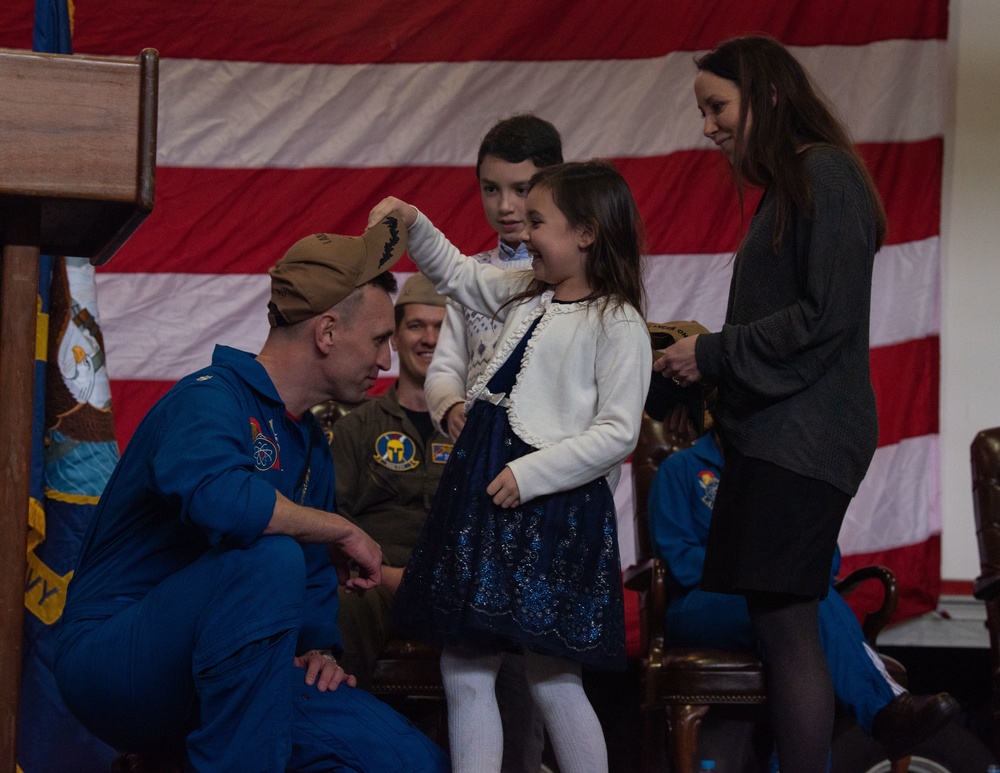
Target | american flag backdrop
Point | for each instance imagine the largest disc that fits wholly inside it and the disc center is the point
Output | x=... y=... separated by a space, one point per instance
x=280 y=118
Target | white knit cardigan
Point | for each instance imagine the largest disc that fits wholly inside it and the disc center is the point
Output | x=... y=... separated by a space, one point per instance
x=579 y=394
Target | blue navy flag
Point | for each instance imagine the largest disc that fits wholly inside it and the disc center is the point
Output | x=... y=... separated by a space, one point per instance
x=73 y=453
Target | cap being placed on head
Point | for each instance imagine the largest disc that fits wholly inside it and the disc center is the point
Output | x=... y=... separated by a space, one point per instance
x=419 y=289
x=321 y=270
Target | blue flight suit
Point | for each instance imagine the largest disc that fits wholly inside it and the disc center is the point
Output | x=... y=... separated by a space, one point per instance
x=182 y=618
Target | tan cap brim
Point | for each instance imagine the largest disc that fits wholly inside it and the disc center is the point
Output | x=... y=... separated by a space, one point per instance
x=319 y=271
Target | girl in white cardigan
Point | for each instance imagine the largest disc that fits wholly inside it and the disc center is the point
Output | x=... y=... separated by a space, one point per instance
x=519 y=550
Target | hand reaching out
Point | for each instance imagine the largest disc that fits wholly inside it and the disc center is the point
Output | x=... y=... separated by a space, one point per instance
x=390 y=205
x=357 y=550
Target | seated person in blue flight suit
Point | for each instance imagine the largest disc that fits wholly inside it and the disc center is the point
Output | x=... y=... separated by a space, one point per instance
x=680 y=508
x=200 y=622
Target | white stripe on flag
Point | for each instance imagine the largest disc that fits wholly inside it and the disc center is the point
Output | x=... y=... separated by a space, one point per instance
x=163 y=326
x=899 y=502
x=225 y=114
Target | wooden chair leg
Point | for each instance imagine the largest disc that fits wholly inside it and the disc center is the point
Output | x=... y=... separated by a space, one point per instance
x=651 y=752
x=683 y=723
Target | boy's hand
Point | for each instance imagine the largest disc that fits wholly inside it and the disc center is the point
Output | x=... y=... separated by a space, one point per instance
x=504 y=489
x=454 y=420
x=393 y=206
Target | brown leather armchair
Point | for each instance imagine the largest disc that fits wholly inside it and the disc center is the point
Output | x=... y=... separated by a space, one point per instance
x=680 y=685
x=985 y=452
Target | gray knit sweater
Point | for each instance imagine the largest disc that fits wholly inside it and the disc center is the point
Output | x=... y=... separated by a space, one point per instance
x=792 y=359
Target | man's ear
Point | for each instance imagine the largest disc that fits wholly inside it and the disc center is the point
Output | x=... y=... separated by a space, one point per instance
x=325 y=328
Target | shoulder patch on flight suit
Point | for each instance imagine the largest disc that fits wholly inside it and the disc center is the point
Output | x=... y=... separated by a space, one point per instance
x=709 y=483
x=396 y=451
x=265 y=450
x=440 y=452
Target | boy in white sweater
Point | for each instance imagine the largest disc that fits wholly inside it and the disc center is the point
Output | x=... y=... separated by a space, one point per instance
x=510 y=153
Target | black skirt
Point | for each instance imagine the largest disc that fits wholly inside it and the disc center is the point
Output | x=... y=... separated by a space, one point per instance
x=772 y=530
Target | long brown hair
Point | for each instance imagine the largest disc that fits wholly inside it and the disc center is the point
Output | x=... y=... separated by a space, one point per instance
x=788 y=114
x=595 y=195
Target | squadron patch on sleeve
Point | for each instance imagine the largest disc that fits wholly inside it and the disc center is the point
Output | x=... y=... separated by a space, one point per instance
x=709 y=483
x=440 y=452
x=395 y=451
x=265 y=450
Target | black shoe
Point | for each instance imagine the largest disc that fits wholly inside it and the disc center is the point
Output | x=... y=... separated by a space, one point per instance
x=908 y=719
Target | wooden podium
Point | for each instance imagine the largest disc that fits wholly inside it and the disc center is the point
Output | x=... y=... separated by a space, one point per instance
x=77 y=169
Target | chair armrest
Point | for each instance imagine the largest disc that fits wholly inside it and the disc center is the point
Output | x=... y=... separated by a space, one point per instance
x=986 y=587
x=639 y=576
x=874 y=621
x=648 y=578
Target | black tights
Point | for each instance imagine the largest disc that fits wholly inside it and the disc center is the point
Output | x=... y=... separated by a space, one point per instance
x=800 y=692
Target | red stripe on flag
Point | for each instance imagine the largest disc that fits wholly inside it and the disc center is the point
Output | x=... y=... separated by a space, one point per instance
x=219 y=221
x=917 y=571
x=905 y=377
x=957 y=587
x=240 y=221
x=906 y=381
x=335 y=31
x=17 y=19
x=130 y=401
x=689 y=204
x=908 y=175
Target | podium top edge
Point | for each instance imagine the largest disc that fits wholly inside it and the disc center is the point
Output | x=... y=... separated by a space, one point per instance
x=146 y=53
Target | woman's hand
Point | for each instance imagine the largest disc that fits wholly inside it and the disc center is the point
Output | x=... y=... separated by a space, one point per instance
x=393 y=206
x=678 y=362
x=504 y=489
x=323 y=670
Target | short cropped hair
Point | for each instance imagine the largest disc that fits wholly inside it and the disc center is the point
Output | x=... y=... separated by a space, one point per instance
x=347 y=307
x=520 y=138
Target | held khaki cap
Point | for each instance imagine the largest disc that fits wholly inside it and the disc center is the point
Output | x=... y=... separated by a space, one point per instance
x=419 y=289
x=665 y=394
x=319 y=271
x=663 y=334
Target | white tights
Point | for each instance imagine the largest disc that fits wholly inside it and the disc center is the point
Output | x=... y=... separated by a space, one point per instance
x=474 y=729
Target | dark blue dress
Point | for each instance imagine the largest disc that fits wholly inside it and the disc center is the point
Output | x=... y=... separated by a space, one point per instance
x=544 y=575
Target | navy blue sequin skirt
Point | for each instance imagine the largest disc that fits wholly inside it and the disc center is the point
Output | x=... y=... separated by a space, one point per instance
x=544 y=575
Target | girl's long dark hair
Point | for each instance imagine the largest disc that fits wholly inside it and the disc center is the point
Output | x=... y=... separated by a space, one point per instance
x=594 y=194
x=787 y=114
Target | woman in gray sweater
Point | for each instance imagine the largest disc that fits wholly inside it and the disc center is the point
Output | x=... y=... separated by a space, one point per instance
x=796 y=407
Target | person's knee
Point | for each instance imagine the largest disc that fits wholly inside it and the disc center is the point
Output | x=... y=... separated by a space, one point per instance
x=469 y=678
x=552 y=681
x=251 y=594
x=276 y=554
x=349 y=729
